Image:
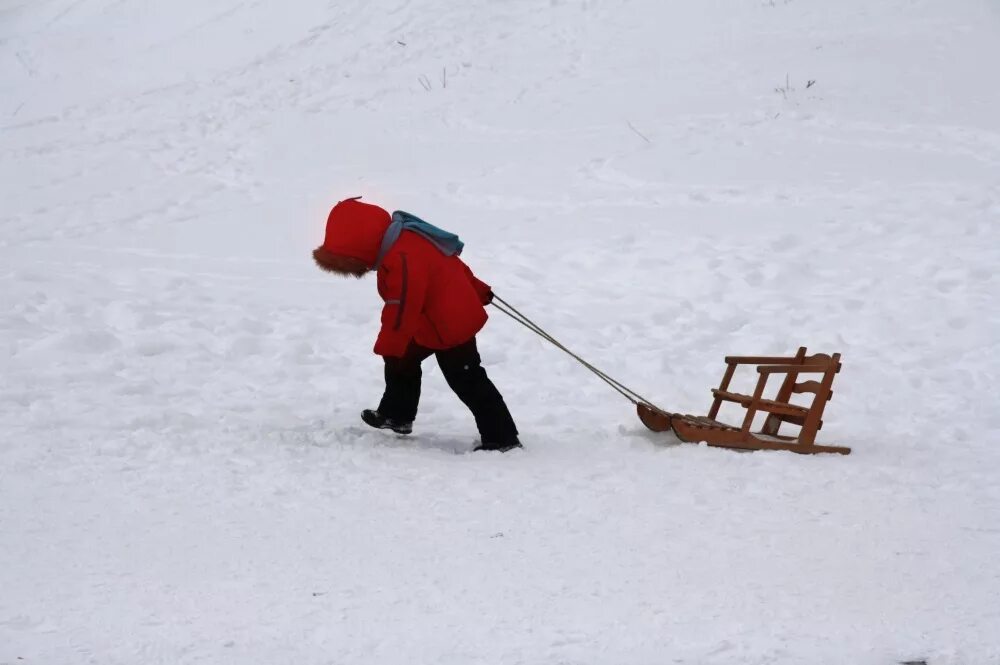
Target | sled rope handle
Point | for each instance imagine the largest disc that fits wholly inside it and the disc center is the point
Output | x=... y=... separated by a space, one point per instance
x=622 y=389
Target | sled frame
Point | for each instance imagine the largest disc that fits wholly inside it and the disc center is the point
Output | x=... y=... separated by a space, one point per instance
x=821 y=370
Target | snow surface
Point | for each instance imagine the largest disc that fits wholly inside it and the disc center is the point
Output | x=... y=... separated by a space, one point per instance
x=183 y=475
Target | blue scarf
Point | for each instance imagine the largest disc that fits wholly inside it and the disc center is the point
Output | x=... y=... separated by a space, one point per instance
x=447 y=243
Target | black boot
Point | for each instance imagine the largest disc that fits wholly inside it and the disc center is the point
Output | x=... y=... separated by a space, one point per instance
x=378 y=421
x=501 y=446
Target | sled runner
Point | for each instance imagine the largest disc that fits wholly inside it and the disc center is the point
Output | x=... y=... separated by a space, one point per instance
x=820 y=367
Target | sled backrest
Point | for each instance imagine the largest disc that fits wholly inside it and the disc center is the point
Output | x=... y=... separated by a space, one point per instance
x=817 y=372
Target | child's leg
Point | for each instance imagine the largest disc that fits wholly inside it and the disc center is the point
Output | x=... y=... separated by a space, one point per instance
x=402 y=385
x=465 y=375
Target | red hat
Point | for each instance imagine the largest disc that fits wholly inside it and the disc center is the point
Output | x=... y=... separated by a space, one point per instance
x=354 y=230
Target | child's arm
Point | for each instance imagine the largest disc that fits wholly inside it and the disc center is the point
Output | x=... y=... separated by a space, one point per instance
x=483 y=290
x=403 y=286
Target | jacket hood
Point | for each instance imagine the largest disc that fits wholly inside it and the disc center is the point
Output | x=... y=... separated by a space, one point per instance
x=354 y=230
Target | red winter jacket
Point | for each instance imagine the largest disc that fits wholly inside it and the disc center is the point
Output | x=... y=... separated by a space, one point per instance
x=431 y=299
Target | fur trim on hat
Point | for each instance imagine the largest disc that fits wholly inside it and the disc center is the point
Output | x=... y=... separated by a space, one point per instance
x=341 y=265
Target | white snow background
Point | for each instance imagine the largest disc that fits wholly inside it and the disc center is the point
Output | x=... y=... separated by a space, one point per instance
x=183 y=474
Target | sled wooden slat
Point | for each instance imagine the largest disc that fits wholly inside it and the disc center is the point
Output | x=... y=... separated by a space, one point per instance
x=761 y=360
x=809 y=387
x=799 y=369
x=763 y=405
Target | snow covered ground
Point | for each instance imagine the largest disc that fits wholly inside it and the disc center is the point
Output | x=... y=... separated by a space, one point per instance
x=183 y=475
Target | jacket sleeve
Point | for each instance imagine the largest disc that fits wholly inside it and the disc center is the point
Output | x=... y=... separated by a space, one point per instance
x=483 y=290
x=403 y=287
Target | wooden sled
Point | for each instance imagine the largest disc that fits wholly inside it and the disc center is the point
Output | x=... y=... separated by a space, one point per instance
x=780 y=410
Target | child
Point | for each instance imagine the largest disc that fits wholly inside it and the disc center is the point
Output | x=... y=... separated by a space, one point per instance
x=434 y=305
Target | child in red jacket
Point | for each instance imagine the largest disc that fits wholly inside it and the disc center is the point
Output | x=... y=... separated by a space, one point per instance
x=434 y=305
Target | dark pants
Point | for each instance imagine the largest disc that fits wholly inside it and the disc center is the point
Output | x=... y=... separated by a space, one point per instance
x=465 y=375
